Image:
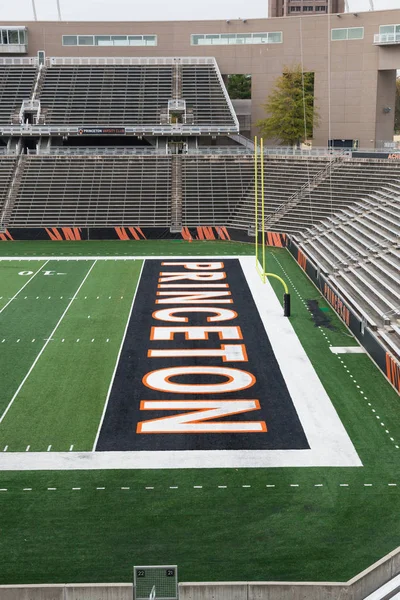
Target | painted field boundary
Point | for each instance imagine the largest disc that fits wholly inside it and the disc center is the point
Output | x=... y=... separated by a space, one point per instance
x=165 y=257
x=357 y=588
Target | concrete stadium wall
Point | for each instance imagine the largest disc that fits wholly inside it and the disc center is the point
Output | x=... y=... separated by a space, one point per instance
x=356 y=588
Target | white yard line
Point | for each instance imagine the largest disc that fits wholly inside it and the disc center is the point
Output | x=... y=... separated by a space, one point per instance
x=25 y=284
x=44 y=346
x=117 y=361
x=164 y=257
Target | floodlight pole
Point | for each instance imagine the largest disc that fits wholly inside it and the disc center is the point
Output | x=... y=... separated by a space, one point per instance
x=34 y=10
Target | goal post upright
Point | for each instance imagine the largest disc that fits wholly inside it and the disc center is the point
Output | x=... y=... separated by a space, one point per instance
x=261 y=269
x=256 y=198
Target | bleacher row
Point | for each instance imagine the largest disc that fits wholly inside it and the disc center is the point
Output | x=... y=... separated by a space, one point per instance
x=351 y=233
x=110 y=95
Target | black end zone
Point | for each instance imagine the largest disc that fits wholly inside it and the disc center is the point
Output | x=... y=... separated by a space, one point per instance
x=119 y=430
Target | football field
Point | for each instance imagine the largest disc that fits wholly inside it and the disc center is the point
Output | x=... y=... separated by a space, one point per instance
x=156 y=407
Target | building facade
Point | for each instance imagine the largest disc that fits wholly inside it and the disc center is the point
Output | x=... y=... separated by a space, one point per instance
x=287 y=8
x=354 y=57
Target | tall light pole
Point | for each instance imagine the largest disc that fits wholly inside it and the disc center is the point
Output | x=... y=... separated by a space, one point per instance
x=34 y=10
x=59 y=10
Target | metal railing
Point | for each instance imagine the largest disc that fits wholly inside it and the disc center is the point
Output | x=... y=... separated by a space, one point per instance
x=129 y=60
x=98 y=151
x=15 y=61
x=173 y=129
x=387 y=38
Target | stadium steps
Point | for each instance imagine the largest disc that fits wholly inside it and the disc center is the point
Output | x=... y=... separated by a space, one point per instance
x=7 y=170
x=176 y=194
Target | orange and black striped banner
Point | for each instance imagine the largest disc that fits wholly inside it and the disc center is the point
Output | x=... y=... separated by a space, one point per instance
x=393 y=371
x=6 y=237
x=130 y=233
x=60 y=234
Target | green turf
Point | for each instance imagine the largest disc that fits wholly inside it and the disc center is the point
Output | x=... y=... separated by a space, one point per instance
x=334 y=524
x=123 y=248
x=62 y=400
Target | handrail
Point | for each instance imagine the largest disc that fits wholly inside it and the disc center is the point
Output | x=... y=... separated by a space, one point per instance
x=227 y=97
x=301 y=192
x=129 y=60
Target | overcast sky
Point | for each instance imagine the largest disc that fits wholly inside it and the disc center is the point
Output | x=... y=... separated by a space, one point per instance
x=151 y=10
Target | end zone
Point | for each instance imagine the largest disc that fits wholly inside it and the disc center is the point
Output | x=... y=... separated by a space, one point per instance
x=321 y=439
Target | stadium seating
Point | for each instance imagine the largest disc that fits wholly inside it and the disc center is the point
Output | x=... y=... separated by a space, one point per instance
x=105 y=95
x=16 y=85
x=347 y=182
x=213 y=187
x=204 y=95
x=7 y=166
x=133 y=94
x=93 y=192
x=359 y=248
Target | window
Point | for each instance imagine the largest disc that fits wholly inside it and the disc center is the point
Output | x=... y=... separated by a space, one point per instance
x=109 y=40
x=12 y=36
x=70 y=40
x=320 y=8
x=85 y=40
x=222 y=39
x=102 y=40
x=351 y=33
x=389 y=29
x=308 y=8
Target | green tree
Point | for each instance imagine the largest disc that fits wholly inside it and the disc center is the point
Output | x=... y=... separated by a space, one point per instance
x=397 y=107
x=285 y=108
x=239 y=87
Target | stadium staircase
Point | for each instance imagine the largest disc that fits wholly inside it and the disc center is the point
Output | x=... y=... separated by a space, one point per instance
x=7 y=172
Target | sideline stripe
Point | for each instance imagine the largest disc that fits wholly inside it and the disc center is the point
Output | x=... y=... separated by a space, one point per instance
x=45 y=344
x=117 y=361
x=347 y=350
x=25 y=284
x=136 y=257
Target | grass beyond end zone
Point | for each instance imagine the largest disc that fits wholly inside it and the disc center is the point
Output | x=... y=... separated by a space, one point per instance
x=124 y=248
x=290 y=524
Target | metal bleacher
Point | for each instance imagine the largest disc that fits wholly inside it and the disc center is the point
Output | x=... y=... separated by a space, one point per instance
x=93 y=192
x=204 y=94
x=346 y=182
x=105 y=94
x=7 y=169
x=359 y=250
x=16 y=84
x=213 y=188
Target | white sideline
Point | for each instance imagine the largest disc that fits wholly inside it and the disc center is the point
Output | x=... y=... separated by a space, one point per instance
x=347 y=349
x=44 y=346
x=122 y=257
x=117 y=361
x=25 y=284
